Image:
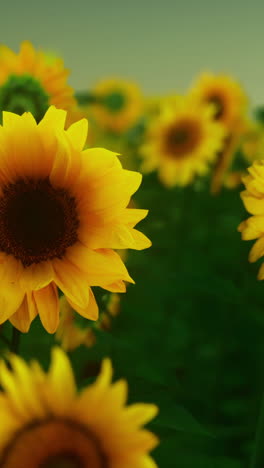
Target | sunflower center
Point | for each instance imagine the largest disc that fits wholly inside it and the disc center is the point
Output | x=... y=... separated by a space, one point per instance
x=217 y=101
x=38 y=222
x=114 y=101
x=23 y=93
x=66 y=460
x=54 y=444
x=181 y=138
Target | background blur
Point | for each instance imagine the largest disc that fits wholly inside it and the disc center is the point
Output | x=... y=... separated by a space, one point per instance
x=190 y=335
x=162 y=45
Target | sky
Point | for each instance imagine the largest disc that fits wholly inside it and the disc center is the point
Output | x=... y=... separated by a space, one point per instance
x=161 y=45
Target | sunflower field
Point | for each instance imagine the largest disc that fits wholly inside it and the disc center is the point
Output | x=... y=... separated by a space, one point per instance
x=131 y=309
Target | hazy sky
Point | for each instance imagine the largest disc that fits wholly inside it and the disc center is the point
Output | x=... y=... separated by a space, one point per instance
x=162 y=45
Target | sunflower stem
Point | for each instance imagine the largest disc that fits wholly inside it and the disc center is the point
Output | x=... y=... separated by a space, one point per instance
x=15 y=341
x=257 y=460
x=5 y=340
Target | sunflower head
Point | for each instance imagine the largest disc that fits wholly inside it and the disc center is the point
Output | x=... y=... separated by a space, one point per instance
x=47 y=424
x=63 y=211
x=118 y=105
x=225 y=95
x=30 y=82
x=253 y=199
x=181 y=141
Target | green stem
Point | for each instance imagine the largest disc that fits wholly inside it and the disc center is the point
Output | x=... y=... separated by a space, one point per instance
x=5 y=340
x=257 y=460
x=15 y=340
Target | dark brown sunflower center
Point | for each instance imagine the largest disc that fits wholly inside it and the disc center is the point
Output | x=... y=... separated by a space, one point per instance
x=37 y=221
x=218 y=103
x=181 y=138
x=66 y=460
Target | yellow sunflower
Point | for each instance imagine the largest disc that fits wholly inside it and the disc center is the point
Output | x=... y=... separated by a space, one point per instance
x=31 y=81
x=62 y=212
x=253 y=199
x=46 y=423
x=118 y=105
x=181 y=142
x=226 y=96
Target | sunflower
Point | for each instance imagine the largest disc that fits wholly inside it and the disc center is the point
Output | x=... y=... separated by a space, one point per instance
x=226 y=96
x=62 y=211
x=69 y=334
x=118 y=105
x=46 y=423
x=253 y=199
x=181 y=142
x=32 y=81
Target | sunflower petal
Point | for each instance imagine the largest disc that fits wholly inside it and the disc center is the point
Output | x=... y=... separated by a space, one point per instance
x=91 y=311
x=77 y=134
x=47 y=303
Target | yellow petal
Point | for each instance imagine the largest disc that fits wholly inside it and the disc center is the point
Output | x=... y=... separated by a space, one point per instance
x=37 y=276
x=98 y=161
x=54 y=118
x=252 y=204
x=141 y=413
x=47 y=303
x=105 y=376
x=261 y=272
x=147 y=462
x=132 y=216
x=118 y=393
x=72 y=282
x=90 y=311
x=27 y=387
x=25 y=314
x=11 y=296
x=140 y=241
x=257 y=250
x=61 y=378
x=100 y=267
x=252 y=227
x=77 y=134
x=11 y=387
x=116 y=287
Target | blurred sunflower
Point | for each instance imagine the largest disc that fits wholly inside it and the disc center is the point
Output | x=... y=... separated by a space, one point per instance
x=233 y=179
x=32 y=81
x=118 y=104
x=252 y=144
x=253 y=199
x=62 y=211
x=226 y=96
x=181 y=142
x=46 y=423
x=69 y=334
